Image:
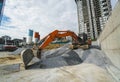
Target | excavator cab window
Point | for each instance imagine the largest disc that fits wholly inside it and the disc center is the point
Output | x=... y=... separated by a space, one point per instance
x=82 y=38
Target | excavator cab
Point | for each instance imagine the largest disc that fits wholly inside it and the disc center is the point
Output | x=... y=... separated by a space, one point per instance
x=82 y=38
x=84 y=42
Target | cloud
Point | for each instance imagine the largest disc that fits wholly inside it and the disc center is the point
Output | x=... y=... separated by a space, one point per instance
x=43 y=16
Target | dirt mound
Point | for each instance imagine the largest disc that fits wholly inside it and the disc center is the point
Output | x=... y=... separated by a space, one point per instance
x=10 y=59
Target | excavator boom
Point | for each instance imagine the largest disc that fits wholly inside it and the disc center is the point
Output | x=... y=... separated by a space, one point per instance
x=57 y=34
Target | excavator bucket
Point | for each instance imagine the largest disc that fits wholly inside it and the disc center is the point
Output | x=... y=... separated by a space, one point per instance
x=26 y=56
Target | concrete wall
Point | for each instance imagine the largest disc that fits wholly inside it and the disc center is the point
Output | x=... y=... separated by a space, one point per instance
x=110 y=37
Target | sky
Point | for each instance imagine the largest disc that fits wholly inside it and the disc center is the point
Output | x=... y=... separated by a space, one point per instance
x=43 y=16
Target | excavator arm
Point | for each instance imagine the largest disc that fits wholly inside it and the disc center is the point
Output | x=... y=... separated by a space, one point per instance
x=51 y=37
x=57 y=34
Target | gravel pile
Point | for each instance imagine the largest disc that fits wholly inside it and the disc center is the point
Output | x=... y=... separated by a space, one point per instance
x=64 y=56
x=17 y=52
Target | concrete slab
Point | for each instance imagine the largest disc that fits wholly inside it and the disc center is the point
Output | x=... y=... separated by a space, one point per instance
x=110 y=41
x=115 y=72
x=77 y=73
x=17 y=52
x=11 y=68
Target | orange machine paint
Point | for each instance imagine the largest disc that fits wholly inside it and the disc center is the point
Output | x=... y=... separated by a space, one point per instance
x=36 y=36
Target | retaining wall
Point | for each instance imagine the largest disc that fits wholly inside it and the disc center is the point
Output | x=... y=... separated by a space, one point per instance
x=109 y=39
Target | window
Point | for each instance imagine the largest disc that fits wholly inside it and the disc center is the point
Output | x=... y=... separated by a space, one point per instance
x=105 y=9
x=106 y=14
x=104 y=5
x=103 y=1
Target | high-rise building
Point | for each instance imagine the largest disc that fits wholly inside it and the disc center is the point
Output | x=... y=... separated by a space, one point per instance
x=92 y=15
x=105 y=6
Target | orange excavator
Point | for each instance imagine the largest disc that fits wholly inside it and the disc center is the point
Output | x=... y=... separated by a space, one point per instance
x=51 y=37
x=27 y=55
x=59 y=34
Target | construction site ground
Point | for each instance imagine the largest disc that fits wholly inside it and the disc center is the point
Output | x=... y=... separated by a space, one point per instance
x=57 y=65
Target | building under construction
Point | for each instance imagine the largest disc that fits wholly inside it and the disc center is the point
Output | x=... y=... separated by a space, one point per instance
x=92 y=15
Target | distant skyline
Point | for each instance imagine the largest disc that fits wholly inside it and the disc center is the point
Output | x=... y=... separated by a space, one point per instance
x=42 y=16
